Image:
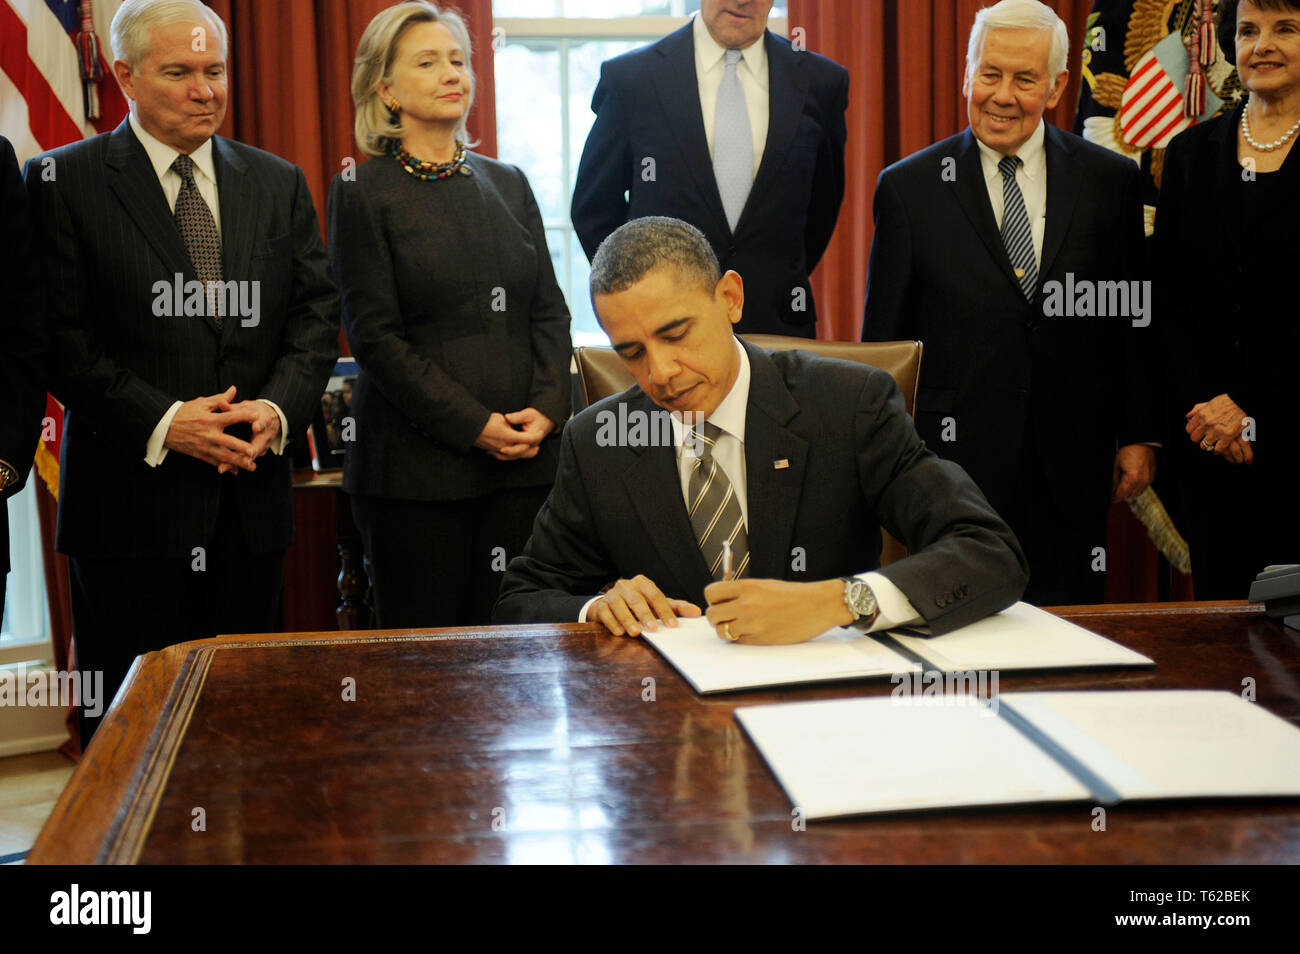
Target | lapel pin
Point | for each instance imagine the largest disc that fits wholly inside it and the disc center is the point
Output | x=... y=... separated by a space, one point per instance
x=782 y=464
x=1020 y=273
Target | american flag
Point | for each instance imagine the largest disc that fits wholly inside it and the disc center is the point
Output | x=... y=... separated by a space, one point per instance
x=56 y=86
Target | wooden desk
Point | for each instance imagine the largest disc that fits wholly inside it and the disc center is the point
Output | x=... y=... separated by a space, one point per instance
x=543 y=731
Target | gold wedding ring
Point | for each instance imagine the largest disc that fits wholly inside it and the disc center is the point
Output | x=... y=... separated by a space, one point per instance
x=726 y=633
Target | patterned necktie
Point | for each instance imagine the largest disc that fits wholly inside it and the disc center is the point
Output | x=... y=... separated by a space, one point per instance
x=199 y=231
x=733 y=143
x=1017 y=235
x=713 y=507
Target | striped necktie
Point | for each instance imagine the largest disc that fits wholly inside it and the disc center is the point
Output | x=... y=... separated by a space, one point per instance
x=733 y=143
x=713 y=507
x=199 y=231
x=1017 y=235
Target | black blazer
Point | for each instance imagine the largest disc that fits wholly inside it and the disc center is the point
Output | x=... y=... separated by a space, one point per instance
x=1224 y=269
x=24 y=353
x=647 y=107
x=453 y=312
x=993 y=362
x=106 y=236
x=855 y=463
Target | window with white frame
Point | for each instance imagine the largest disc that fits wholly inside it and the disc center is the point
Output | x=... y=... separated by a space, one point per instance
x=25 y=626
x=548 y=55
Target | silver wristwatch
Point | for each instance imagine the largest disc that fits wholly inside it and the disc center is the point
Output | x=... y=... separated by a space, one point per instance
x=860 y=601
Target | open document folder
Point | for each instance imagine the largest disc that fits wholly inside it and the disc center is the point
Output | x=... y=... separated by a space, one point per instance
x=858 y=756
x=1020 y=637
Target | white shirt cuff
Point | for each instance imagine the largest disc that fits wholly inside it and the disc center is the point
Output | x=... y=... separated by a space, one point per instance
x=154 y=451
x=582 y=616
x=277 y=446
x=895 y=609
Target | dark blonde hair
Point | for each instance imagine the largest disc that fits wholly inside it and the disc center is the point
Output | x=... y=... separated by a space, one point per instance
x=374 y=65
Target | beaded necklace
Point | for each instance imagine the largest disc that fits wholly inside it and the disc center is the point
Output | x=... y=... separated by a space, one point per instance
x=1264 y=146
x=422 y=168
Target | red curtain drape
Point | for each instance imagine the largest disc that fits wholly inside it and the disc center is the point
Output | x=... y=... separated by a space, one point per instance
x=290 y=75
x=906 y=62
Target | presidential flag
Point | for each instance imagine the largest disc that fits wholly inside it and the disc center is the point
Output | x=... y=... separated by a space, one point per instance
x=1151 y=68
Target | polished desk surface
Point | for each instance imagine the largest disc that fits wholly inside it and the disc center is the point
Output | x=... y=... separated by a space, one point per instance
x=534 y=744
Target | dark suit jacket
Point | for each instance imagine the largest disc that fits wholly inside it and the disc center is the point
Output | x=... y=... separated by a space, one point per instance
x=994 y=362
x=106 y=236
x=855 y=463
x=452 y=311
x=23 y=354
x=1225 y=253
x=1224 y=269
x=647 y=107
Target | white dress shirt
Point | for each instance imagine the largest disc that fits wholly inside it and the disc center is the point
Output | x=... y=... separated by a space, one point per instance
x=161 y=156
x=729 y=453
x=710 y=65
x=1032 y=179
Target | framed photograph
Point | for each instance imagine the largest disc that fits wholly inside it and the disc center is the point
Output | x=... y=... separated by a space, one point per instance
x=332 y=425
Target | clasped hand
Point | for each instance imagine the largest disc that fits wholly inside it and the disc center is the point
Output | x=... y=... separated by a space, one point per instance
x=757 y=612
x=1216 y=425
x=515 y=436
x=199 y=430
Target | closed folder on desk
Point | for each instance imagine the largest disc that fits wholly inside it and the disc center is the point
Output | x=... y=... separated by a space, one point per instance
x=860 y=756
x=1020 y=637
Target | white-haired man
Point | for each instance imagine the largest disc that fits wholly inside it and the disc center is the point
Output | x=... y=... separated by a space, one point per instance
x=196 y=325
x=980 y=240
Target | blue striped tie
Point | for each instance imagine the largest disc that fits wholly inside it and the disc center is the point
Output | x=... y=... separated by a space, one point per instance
x=733 y=143
x=1017 y=235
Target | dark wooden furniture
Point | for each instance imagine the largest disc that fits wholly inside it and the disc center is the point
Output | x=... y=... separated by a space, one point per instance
x=540 y=744
x=326 y=585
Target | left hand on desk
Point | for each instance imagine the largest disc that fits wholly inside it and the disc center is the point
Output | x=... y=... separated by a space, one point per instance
x=774 y=612
x=1133 y=471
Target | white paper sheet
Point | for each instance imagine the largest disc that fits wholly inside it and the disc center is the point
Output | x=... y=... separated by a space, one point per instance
x=712 y=664
x=1020 y=637
x=860 y=756
x=1171 y=743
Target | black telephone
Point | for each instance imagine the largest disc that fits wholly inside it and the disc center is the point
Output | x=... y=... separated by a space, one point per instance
x=1278 y=588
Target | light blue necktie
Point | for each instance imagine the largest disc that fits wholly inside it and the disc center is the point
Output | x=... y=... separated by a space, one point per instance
x=733 y=143
x=1017 y=235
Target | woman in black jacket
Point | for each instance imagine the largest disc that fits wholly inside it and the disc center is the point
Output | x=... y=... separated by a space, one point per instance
x=1226 y=249
x=457 y=324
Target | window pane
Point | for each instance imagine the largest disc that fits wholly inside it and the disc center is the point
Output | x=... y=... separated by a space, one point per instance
x=623 y=8
x=585 y=329
x=526 y=8
x=585 y=58
x=26 y=614
x=529 y=132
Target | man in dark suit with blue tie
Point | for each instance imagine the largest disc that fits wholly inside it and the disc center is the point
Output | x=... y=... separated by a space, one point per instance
x=980 y=240
x=24 y=353
x=196 y=326
x=724 y=125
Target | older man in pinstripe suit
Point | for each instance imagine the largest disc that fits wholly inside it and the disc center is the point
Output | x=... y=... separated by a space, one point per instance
x=175 y=497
